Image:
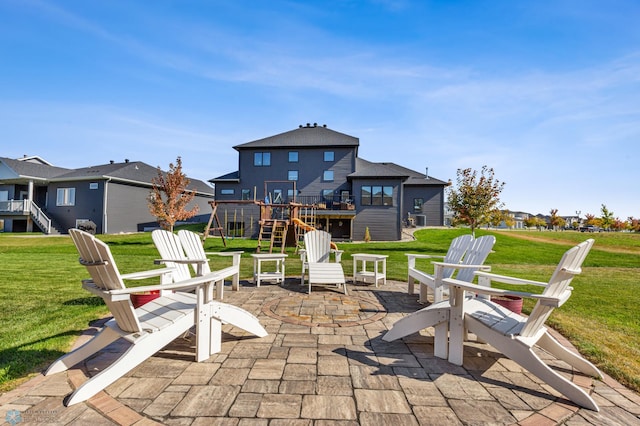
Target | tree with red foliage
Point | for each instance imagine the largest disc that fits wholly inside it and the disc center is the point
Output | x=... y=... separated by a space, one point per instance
x=169 y=196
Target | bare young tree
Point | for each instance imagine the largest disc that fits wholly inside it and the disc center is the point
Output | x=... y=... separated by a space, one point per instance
x=475 y=197
x=169 y=196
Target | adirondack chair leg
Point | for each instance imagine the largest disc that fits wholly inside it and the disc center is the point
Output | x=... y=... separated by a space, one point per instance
x=104 y=337
x=457 y=329
x=551 y=345
x=425 y=317
x=424 y=293
x=208 y=337
x=211 y=316
x=235 y=282
x=148 y=345
x=441 y=339
x=237 y=317
x=526 y=358
x=220 y=289
x=410 y=285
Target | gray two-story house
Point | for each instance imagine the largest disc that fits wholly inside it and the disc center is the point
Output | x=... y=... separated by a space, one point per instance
x=36 y=196
x=319 y=169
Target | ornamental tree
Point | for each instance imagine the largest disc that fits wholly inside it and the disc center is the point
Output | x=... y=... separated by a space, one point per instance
x=475 y=197
x=169 y=196
x=607 y=217
x=557 y=222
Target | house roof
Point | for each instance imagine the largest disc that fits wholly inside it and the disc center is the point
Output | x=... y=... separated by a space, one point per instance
x=135 y=172
x=233 y=177
x=416 y=178
x=26 y=169
x=367 y=169
x=386 y=170
x=304 y=136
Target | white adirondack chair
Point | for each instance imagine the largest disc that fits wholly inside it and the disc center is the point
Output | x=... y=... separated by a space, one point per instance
x=510 y=333
x=152 y=326
x=194 y=250
x=172 y=254
x=337 y=257
x=317 y=246
x=473 y=260
x=456 y=251
x=515 y=335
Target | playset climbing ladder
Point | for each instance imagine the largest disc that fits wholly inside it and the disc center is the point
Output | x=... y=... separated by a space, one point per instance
x=273 y=233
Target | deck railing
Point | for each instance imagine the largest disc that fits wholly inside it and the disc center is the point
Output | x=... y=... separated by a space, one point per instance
x=40 y=218
x=14 y=206
x=26 y=207
x=326 y=203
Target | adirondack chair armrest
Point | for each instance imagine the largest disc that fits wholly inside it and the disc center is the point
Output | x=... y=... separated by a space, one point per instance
x=411 y=258
x=423 y=256
x=336 y=253
x=147 y=274
x=572 y=271
x=123 y=293
x=490 y=291
x=236 y=255
x=461 y=266
x=507 y=280
x=184 y=261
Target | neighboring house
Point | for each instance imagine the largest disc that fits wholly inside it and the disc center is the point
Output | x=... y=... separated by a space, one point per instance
x=113 y=196
x=320 y=169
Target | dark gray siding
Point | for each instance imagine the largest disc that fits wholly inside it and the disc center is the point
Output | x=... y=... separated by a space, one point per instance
x=383 y=221
x=432 y=208
x=310 y=168
x=88 y=204
x=127 y=207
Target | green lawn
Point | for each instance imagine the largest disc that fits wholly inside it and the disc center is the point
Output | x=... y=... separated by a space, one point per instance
x=44 y=308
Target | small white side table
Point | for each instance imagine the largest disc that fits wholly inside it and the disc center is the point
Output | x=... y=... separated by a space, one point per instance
x=378 y=260
x=259 y=274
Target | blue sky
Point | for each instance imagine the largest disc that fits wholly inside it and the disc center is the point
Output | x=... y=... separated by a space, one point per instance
x=547 y=93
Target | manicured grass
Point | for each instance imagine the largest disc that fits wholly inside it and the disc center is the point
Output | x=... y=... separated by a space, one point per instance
x=43 y=307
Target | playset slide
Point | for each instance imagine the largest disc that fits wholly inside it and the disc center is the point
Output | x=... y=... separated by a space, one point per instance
x=308 y=227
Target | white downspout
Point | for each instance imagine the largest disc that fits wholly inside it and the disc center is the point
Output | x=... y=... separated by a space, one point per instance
x=30 y=200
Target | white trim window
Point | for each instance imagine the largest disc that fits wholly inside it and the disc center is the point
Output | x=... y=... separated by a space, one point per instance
x=66 y=197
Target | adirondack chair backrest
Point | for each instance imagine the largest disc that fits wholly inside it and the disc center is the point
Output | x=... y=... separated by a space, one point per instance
x=96 y=256
x=317 y=246
x=569 y=266
x=170 y=247
x=476 y=255
x=193 y=248
x=456 y=251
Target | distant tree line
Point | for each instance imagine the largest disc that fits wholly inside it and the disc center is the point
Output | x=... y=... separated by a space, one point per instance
x=475 y=201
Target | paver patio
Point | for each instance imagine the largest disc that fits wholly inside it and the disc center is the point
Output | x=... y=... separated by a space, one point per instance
x=323 y=363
